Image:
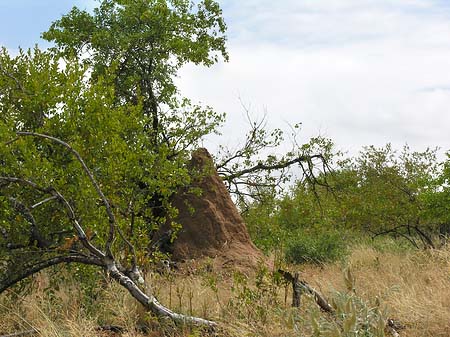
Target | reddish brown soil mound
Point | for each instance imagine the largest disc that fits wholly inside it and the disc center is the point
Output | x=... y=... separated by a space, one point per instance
x=211 y=224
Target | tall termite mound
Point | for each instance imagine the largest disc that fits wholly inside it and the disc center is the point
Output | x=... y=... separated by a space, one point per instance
x=211 y=223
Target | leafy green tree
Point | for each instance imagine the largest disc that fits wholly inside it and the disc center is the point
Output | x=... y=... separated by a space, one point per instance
x=389 y=189
x=437 y=199
x=141 y=45
x=146 y=42
x=74 y=202
x=379 y=192
x=94 y=137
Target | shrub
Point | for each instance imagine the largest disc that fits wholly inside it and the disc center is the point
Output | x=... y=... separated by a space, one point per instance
x=316 y=247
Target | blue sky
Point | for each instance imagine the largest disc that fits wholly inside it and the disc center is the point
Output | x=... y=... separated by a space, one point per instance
x=23 y=21
x=358 y=71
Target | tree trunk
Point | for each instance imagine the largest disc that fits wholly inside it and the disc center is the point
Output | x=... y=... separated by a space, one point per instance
x=150 y=302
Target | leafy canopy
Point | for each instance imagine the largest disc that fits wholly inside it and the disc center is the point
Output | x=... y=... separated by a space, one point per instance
x=146 y=42
x=107 y=89
x=381 y=191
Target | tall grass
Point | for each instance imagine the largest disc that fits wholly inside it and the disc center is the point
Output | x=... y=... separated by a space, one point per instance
x=412 y=287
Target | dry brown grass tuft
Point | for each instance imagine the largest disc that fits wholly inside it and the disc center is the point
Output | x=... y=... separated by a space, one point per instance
x=417 y=289
x=413 y=286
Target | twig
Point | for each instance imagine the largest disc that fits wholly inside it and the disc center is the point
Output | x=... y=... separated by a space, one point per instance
x=43 y=202
x=22 y=333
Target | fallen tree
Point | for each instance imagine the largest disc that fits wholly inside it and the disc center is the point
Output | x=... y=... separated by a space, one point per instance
x=86 y=252
x=132 y=131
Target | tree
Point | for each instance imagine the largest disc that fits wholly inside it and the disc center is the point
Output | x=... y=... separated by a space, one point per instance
x=437 y=198
x=146 y=42
x=380 y=192
x=126 y=155
x=94 y=137
x=57 y=207
x=28 y=245
x=390 y=186
x=142 y=44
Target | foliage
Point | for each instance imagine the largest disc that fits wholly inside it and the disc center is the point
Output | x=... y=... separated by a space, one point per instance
x=381 y=191
x=355 y=317
x=388 y=192
x=108 y=136
x=293 y=224
x=437 y=198
x=317 y=246
x=262 y=225
x=118 y=109
x=144 y=43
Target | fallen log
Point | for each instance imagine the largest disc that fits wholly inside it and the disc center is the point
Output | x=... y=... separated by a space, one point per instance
x=299 y=286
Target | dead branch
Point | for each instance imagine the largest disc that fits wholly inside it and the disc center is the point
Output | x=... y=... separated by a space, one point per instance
x=112 y=328
x=22 y=333
x=264 y=167
x=393 y=327
x=150 y=302
x=300 y=284
x=129 y=279
x=321 y=301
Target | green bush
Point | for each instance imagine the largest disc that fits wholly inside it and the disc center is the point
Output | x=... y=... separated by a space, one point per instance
x=316 y=247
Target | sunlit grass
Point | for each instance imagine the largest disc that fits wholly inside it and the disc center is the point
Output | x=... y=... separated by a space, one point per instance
x=412 y=286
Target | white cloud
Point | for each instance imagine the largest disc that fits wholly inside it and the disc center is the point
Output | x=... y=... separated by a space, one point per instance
x=86 y=4
x=317 y=22
x=352 y=70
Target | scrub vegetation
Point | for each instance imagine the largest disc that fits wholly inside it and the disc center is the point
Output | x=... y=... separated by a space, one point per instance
x=95 y=144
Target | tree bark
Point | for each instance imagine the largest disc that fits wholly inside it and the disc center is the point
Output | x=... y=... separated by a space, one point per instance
x=298 y=285
x=150 y=302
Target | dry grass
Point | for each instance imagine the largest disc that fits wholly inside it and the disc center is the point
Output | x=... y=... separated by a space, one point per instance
x=413 y=286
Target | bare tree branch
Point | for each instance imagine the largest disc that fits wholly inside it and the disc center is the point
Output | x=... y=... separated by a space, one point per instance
x=127 y=278
x=264 y=167
x=40 y=203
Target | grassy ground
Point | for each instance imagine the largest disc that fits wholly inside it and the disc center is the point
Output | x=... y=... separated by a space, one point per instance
x=412 y=287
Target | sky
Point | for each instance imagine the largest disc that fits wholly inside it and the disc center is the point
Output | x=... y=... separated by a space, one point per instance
x=361 y=72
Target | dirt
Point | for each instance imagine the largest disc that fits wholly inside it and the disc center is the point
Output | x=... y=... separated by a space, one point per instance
x=211 y=224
